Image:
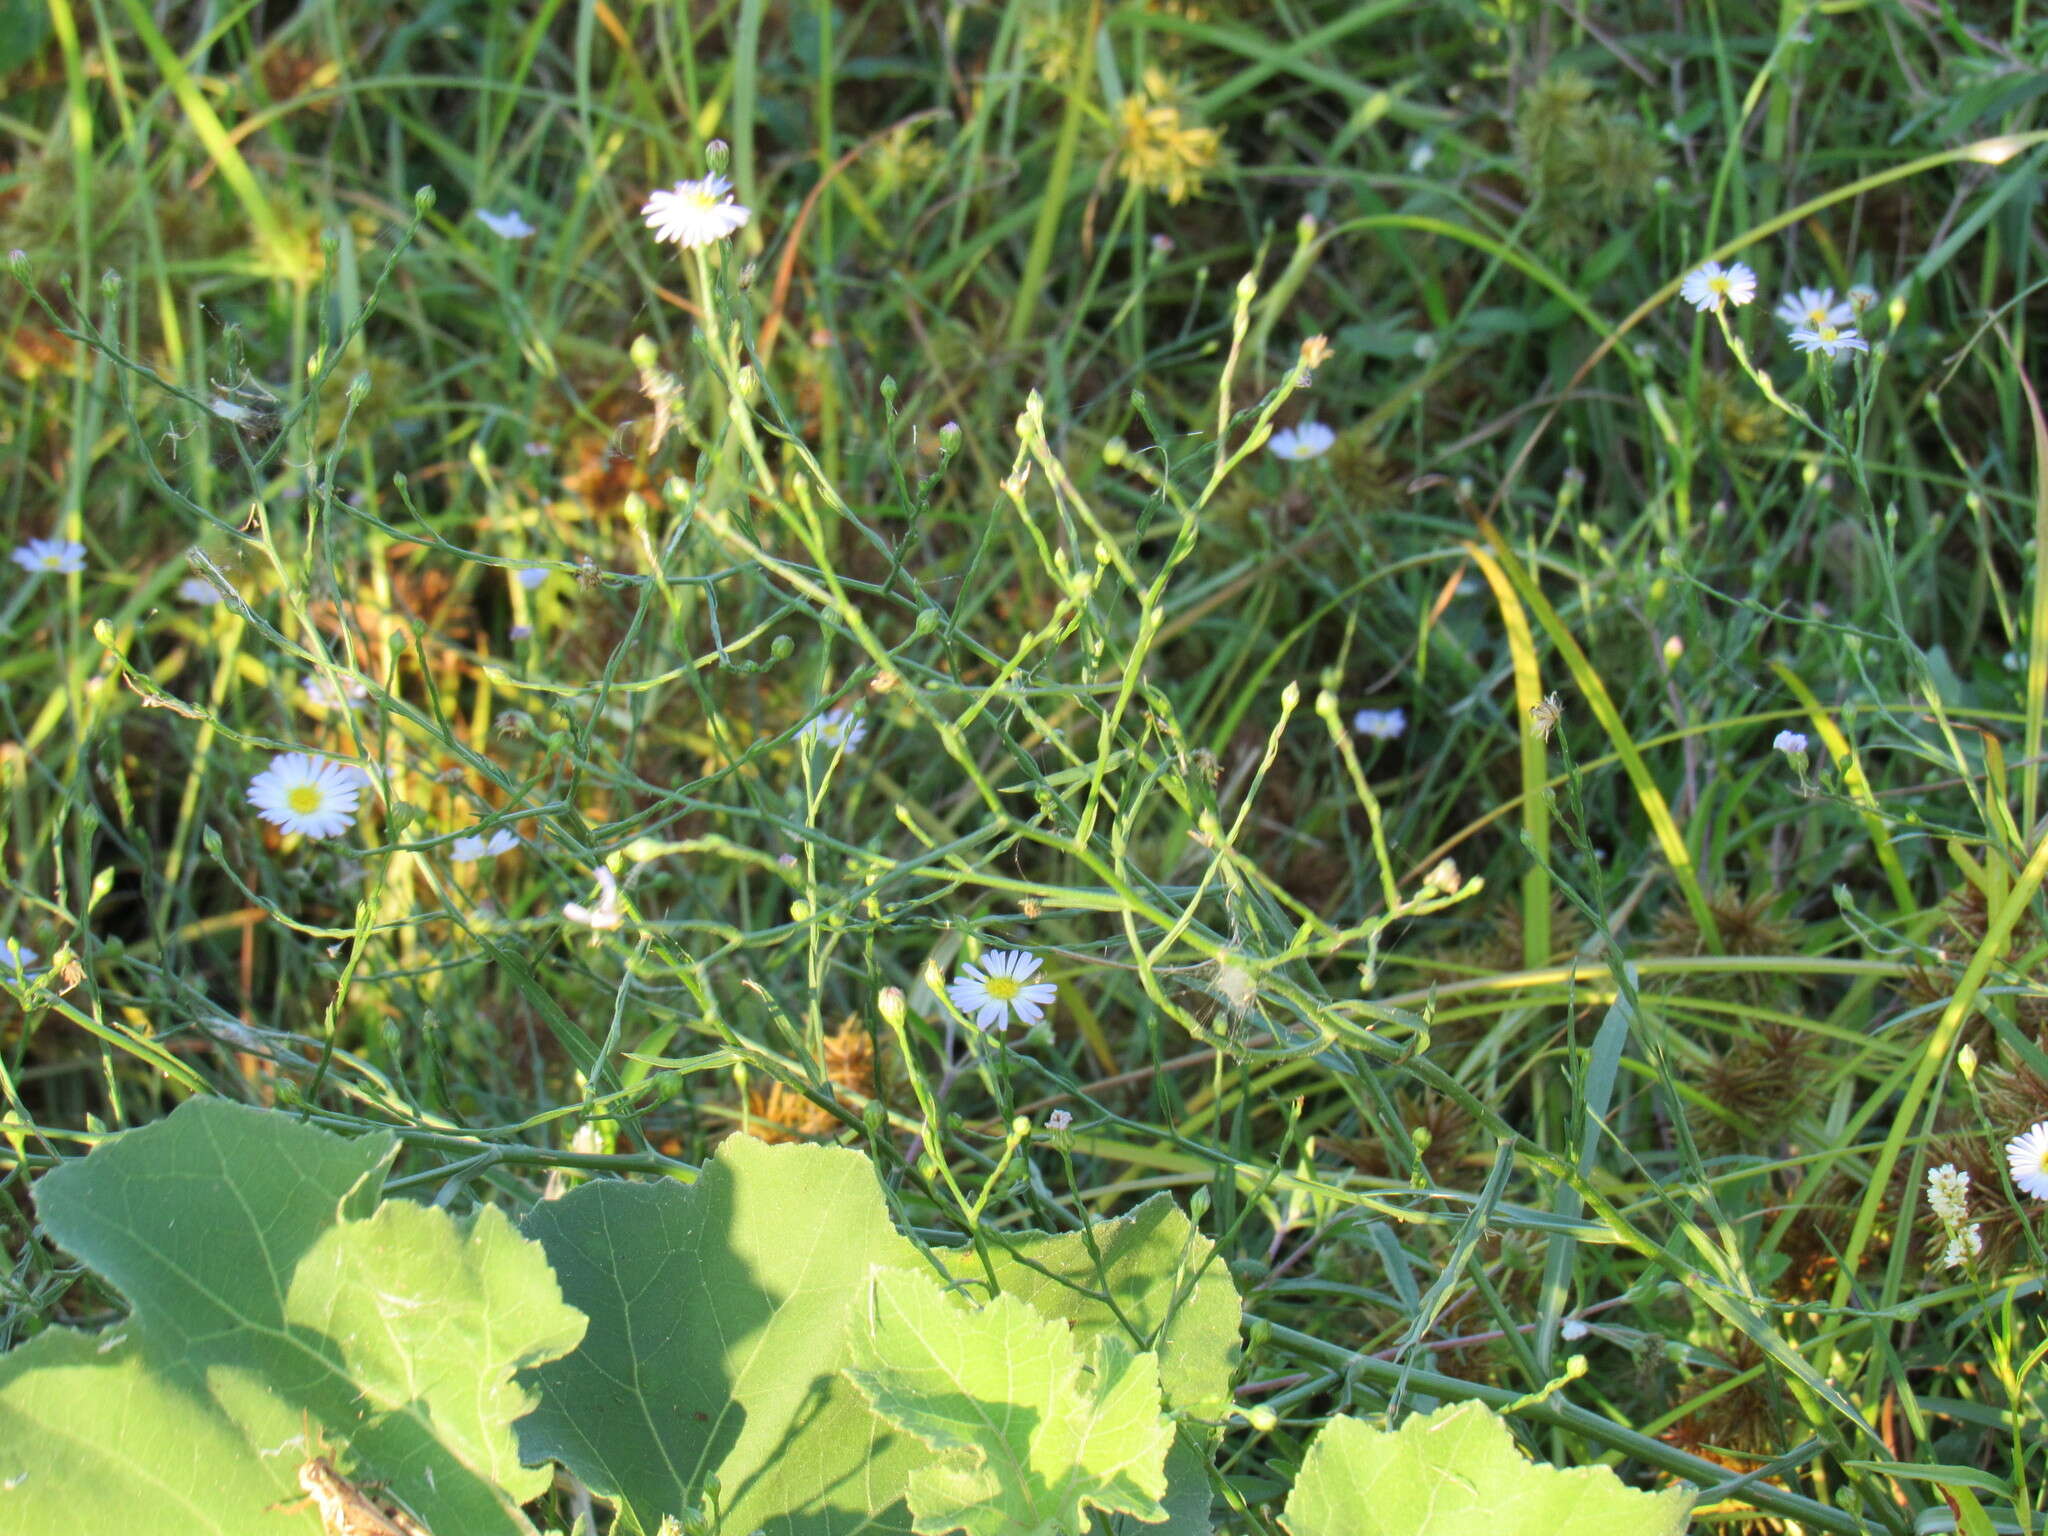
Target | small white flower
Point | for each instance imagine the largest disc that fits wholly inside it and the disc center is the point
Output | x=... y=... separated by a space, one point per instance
x=1380 y=724
x=1710 y=285
x=1829 y=340
x=840 y=729
x=468 y=849
x=531 y=576
x=322 y=692
x=2013 y=661
x=197 y=589
x=2027 y=1156
x=606 y=914
x=1059 y=1120
x=987 y=992
x=507 y=225
x=694 y=213
x=1791 y=743
x=1948 y=1194
x=1811 y=308
x=302 y=793
x=15 y=957
x=1420 y=156
x=1962 y=1247
x=1310 y=440
x=1571 y=1330
x=63 y=557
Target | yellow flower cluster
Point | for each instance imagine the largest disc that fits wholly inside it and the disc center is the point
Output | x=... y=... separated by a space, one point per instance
x=1158 y=147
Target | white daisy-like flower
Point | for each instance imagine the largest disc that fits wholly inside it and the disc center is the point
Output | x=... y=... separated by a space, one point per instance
x=988 y=992
x=694 y=213
x=1791 y=743
x=1962 y=1246
x=198 y=590
x=1811 y=308
x=841 y=729
x=1948 y=1194
x=530 y=576
x=1059 y=1120
x=322 y=692
x=1310 y=440
x=1572 y=1329
x=62 y=557
x=1829 y=340
x=1380 y=724
x=1710 y=285
x=302 y=793
x=508 y=225
x=468 y=849
x=2027 y=1156
x=606 y=914
x=17 y=957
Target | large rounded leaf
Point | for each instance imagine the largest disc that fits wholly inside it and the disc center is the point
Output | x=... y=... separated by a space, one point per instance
x=278 y=1312
x=719 y=1315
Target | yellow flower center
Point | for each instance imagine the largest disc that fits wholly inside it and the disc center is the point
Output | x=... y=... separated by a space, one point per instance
x=305 y=799
x=1719 y=285
x=52 y=562
x=1003 y=989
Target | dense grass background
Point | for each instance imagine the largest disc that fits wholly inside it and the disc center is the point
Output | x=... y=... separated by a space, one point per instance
x=964 y=431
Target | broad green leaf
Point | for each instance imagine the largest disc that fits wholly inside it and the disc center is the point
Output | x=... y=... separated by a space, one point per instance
x=1458 y=1472
x=719 y=1315
x=1029 y=1431
x=278 y=1312
x=1157 y=1286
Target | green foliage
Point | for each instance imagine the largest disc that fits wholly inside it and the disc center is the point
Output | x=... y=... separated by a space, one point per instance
x=962 y=437
x=1457 y=1472
x=279 y=1312
x=1030 y=1429
x=1148 y=1276
x=719 y=1322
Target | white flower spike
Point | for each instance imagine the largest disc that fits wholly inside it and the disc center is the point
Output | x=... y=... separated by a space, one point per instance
x=2027 y=1156
x=1963 y=1245
x=508 y=225
x=1380 y=724
x=1948 y=1194
x=302 y=793
x=59 y=557
x=1710 y=285
x=988 y=992
x=470 y=848
x=695 y=213
x=840 y=729
x=1310 y=440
